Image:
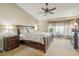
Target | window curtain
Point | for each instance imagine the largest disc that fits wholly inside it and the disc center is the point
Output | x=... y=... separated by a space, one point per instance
x=60 y=28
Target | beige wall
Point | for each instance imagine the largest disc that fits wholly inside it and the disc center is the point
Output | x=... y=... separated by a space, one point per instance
x=43 y=26
x=12 y=14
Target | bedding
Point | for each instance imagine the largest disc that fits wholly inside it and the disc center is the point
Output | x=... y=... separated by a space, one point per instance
x=32 y=38
x=37 y=36
x=31 y=34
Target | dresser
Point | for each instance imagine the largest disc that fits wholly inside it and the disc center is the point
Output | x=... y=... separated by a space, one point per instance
x=11 y=42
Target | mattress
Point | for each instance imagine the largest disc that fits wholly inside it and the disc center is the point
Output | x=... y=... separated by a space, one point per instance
x=36 y=37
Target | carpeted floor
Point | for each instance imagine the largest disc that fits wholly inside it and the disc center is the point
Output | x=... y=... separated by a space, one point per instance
x=57 y=48
x=61 y=47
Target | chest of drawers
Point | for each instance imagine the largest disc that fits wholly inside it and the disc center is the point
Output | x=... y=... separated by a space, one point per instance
x=11 y=42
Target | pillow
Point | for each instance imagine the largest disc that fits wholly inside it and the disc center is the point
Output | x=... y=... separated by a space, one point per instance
x=24 y=30
x=31 y=30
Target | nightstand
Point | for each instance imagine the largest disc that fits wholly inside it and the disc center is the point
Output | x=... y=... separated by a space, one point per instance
x=11 y=42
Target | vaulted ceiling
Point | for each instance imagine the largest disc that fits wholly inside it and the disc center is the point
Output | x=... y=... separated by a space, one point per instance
x=63 y=10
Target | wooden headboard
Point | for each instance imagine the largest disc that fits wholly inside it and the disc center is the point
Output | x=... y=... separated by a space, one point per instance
x=22 y=26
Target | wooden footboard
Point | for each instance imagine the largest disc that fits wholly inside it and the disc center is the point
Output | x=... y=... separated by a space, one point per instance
x=33 y=44
x=47 y=42
x=38 y=45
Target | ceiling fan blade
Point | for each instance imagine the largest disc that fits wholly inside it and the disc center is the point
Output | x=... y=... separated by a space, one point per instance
x=43 y=9
x=51 y=12
x=52 y=9
x=41 y=12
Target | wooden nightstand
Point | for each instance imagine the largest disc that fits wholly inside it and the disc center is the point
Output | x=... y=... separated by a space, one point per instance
x=11 y=42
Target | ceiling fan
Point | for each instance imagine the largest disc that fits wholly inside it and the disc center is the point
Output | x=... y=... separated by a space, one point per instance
x=47 y=10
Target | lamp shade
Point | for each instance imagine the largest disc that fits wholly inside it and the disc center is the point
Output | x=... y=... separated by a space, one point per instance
x=10 y=27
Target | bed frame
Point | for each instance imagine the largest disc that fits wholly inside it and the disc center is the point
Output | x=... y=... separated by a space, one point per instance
x=37 y=45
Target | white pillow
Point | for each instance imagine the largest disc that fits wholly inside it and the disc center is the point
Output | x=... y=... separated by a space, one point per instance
x=24 y=30
x=31 y=30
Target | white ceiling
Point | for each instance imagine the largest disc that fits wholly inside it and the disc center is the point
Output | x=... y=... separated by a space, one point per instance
x=63 y=10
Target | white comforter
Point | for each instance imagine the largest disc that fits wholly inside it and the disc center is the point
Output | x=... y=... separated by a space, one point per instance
x=36 y=36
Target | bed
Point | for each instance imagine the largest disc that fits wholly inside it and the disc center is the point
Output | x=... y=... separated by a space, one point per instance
x=30 y=37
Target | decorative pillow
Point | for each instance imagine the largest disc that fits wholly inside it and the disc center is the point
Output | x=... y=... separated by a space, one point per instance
x=24 y=30
x=31 y=30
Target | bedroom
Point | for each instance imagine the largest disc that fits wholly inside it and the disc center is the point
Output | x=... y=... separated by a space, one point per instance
x=26 y=15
